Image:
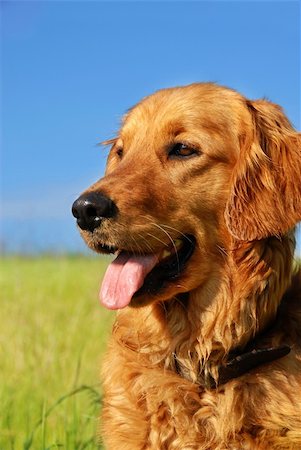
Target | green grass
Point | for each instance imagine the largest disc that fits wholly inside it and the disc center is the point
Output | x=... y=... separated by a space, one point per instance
x=53 y=334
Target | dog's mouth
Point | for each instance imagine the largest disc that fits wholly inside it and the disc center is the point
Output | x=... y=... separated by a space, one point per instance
x=131 y=276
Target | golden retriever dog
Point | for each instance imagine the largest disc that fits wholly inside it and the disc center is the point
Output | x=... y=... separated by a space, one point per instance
x=199 y=202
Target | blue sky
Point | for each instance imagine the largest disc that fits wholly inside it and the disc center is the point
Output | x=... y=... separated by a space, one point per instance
x=71 y=69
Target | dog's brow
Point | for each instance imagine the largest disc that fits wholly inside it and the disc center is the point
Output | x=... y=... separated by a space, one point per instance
x=108 y=142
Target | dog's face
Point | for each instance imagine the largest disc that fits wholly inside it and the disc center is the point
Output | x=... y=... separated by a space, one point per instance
x=169 y=180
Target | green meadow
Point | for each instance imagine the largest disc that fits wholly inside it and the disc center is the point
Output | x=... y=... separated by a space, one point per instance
x=53 y=335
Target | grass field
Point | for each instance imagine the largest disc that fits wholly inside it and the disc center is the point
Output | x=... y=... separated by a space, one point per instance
x=53 y=335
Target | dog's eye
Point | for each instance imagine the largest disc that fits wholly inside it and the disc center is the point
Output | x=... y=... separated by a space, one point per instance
x=119 y=152
x=181 y=150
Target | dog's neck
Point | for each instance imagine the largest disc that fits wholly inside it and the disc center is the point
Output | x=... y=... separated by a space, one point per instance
x=242 y=301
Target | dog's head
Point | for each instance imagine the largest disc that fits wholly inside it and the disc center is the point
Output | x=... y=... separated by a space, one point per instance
x=192 y=170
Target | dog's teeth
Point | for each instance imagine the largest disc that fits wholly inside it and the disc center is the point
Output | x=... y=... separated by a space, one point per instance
x=166 y=254
x=176 y=246
x=178 y=243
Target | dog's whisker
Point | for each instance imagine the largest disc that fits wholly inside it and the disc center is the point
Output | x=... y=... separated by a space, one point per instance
x=137 y=247
x=178 y=231
x=173 y=243
x=146 y=242
x=168 y=226
x=157 y=239
x=222 y=250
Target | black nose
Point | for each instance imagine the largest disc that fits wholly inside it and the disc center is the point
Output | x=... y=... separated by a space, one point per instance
x=89 y=210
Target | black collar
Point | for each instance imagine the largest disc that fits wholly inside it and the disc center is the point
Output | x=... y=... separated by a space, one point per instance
x=241 y=364
x=238 y=363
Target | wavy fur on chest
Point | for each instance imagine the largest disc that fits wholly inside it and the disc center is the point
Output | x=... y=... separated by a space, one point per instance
x=260 y=410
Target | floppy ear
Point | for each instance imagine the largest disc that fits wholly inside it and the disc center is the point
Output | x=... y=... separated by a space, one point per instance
x=265 y=197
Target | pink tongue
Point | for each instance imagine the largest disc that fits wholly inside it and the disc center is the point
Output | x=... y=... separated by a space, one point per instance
x=124 y=276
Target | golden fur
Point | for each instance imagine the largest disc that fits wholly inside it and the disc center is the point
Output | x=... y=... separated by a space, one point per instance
x=241 y=198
